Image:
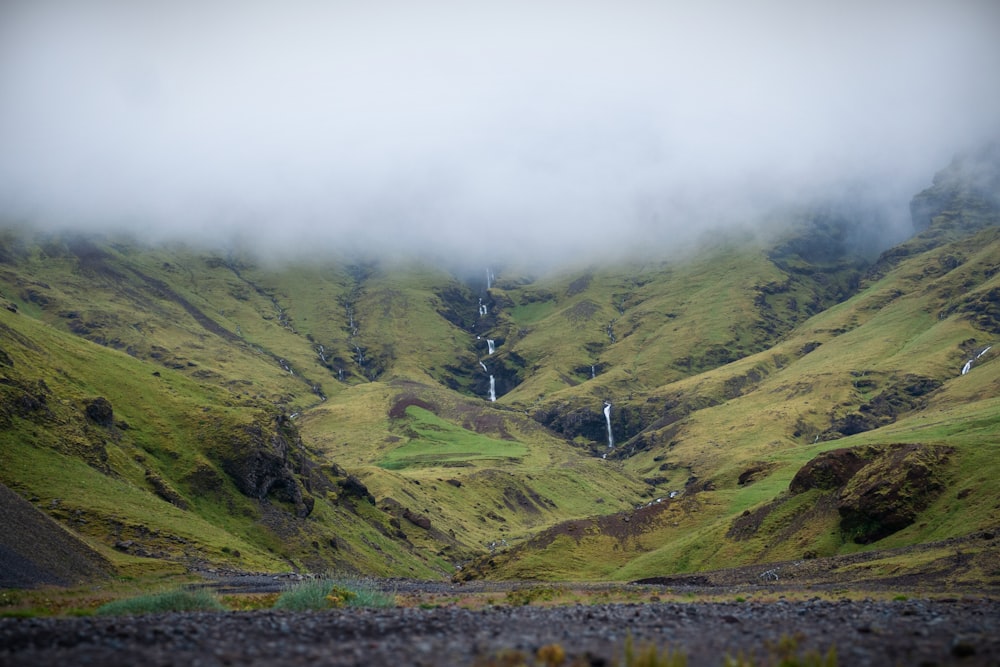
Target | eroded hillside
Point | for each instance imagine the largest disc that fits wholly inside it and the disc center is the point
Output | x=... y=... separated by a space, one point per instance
x=785 y=395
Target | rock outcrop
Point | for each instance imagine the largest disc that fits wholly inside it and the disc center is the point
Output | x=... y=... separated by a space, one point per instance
x=879 y=490
x=260 y=463
x=100 y=412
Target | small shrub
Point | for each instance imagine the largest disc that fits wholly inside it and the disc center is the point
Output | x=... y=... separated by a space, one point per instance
x=551 y=655
x=520 y=597
x=505 y=658
x=785 y=653
x=179 y=600
x=651 y=656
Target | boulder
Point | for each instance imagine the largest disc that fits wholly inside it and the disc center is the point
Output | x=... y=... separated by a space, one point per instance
x=100 y=412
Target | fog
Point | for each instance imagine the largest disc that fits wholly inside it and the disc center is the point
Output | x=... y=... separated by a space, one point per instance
x=482 y=131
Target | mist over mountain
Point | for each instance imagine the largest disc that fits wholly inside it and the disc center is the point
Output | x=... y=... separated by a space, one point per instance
x=482 y=132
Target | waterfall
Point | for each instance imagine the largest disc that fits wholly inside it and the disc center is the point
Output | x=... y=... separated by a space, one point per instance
x=607 y=418
x=968 y=364
x=593 y=372
x=493 y=389
x=482 y=308
x=491 y=345
x=490 y=278
x=485 y=370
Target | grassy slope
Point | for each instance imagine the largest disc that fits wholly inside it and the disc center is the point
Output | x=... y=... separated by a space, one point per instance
x=232 y=339
x=905 y=323
x=277 y=317
x=97 y=479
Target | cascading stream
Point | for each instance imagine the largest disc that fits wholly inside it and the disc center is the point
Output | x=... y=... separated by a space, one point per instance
x=491 y=346
x=493 y=390
x=968 y=364
x=607 y=418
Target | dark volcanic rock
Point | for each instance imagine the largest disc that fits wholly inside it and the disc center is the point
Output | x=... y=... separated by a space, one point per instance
x=887 y=494
x=259 y=463
x=863 y=633
x=35 y=550
x=830 y=470
x=352 y=486
x=878 y=490
x=99 y=411
x=417 y=519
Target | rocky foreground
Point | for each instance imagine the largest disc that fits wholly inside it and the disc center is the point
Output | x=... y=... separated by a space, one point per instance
x=903 y=632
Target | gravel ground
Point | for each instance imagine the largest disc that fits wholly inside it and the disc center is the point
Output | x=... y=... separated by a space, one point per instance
x=911 y=632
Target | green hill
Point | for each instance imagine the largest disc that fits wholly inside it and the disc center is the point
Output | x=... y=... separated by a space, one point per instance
x=779 y=396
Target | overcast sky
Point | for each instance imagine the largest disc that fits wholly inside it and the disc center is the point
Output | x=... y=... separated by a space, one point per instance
x=479 y=128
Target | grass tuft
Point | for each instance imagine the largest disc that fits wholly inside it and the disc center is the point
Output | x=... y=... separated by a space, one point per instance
x=178 y=600
x=651 y=656
x=333 y=593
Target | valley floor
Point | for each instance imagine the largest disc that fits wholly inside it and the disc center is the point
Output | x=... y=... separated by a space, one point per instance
x=865 y=632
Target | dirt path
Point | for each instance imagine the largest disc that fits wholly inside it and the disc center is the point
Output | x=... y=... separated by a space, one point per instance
x=910 y=632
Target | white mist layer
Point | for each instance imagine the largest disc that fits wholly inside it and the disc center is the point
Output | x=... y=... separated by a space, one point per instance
x=402 y=127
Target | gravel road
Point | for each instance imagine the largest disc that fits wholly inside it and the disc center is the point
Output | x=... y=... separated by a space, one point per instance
x=911 y=632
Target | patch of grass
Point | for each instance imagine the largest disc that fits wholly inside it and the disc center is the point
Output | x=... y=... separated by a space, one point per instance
x=333 y=593
x=786 y=653
x=651 y=656
x=308 y=595
x=249 y=601
x=525 y=596
x=435 y=441
x=177 y=600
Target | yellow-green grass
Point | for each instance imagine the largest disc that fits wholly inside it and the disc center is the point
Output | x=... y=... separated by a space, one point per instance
x=878 y=333
x=903 y=323
x=117 y=509
x=438 y=443
x=172 y=421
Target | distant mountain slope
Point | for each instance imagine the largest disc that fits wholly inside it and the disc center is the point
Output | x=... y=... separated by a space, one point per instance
x=177 y=405
x=897 y=387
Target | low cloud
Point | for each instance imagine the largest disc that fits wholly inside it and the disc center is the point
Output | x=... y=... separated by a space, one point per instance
x=473 y=130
